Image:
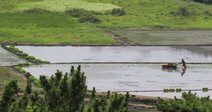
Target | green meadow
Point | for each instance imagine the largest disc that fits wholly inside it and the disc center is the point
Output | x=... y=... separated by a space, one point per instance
x=156 y=14
x=53 y=26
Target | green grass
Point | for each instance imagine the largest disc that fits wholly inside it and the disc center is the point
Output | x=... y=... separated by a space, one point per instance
x=154 y=13
x=62 y=5
x=48 y=29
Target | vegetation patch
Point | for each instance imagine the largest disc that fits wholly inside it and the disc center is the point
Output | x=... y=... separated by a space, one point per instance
x=178 y=89
x=182 y=11
x=35 y=81
x=83 y=15
x=35 y=10
x=188 y=103
x=205 y=89
x=62 y=5
x=19 y=69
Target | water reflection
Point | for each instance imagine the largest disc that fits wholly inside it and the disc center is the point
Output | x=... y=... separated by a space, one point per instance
x=182 y=71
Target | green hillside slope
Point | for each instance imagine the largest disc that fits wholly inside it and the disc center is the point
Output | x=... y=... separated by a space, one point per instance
x=45 y=21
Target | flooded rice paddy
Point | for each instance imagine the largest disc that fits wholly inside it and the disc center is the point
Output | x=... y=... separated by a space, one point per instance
x=137 y=77
x=167 y=37
x=67 y=54
x=8 y=58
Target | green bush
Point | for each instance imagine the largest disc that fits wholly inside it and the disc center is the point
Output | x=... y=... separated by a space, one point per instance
x=77 y=12
x=188 y=103
x=22 y=71
x=171 y=90
x=38 y=60
x=24 y=54
x=178 y=89
x=12 y=47
x=165 y=90
x=31 y=57
x=83 y=15
x=16 y=49
x=118 y=12
x=18 y=68
x=45 y=62
x=20 y=51
x=205 y=89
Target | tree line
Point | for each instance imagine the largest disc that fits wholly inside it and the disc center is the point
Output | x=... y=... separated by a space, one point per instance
x=204 y=1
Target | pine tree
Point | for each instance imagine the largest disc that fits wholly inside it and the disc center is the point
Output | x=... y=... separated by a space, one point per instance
x=8 y=96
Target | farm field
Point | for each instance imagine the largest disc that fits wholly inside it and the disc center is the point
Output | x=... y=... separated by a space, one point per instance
x=137 y=77
x=167 y=37
x=8 y=58
x=154 y=54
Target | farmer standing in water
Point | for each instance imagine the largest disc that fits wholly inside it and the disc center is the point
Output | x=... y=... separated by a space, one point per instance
x=184 y=64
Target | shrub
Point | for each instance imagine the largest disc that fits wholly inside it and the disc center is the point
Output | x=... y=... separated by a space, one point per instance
x=178 y=89
x=205 y=89
x=18 y=68
x=89 y=18
x=36 y=10
x=165 y=90
x=12 y=47
x=182 y=11
x=38 y=60
x=83 y=15
x=45 y=62
x=31 y=57
x=188 y=103
x=24 y=54
x=22 y=71
x=158 y=26
x=171 y=90
x=16 y=49
x=118 y=12
x=77 y=12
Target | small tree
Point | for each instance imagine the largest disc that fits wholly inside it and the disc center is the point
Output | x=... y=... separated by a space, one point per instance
x=8 y=96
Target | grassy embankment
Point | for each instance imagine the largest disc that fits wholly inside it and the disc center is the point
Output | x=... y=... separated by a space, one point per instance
x=58 y=28
x=6 y=74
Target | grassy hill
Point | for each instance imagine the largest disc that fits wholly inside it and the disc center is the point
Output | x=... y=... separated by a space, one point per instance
x=51 y=25
x=157 y=14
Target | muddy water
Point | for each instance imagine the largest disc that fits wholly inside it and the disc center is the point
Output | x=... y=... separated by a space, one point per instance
x=137 y=77
x=120 y=54
x=168 y=37
x=9 y=59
